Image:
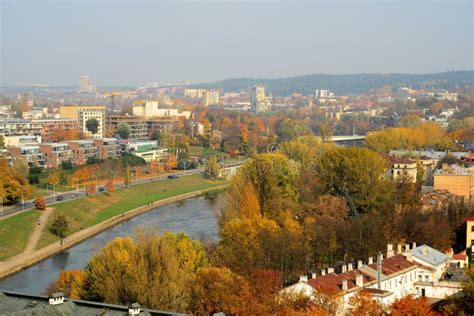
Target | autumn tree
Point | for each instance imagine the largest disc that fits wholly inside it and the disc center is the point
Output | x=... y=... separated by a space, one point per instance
x=220 y=290
x=170 y=162
x=274 y=178
x=409 y=305
x=155 y=271
x=71 y=283
x=110 y=187
x=14 y=180
x=60 y=226
x=212 y=168
x=356 y=174
x=363 y=304
x=40 y=203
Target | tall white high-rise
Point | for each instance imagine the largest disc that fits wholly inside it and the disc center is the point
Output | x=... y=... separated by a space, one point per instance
x=258 y=100
x=85 y=85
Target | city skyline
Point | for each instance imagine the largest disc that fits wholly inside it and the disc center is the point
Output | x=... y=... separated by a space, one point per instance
x=203 y=41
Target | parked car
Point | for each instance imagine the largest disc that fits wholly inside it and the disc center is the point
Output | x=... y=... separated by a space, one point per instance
x=101 y=189
x=172 y=176
x=60 y=198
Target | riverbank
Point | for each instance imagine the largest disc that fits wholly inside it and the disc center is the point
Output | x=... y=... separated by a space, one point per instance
x=20 y=262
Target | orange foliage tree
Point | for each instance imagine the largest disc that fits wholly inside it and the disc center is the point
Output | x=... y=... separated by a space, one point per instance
x=409 y=305
x=40 y=203
x=110 y=187
x=363 y=304
x=70 y=282
x=170 y=162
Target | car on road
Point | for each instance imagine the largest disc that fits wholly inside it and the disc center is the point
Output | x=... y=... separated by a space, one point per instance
x=101 y=189
x=60 y=198
x=172 y=176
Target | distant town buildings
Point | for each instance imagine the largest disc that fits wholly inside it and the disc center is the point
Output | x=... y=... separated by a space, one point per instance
x=86 y=86
x=324 y=96
x=208 y=96
x=83 y=113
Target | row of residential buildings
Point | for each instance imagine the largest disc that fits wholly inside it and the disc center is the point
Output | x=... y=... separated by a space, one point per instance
x=147 y=116
x=78 y=152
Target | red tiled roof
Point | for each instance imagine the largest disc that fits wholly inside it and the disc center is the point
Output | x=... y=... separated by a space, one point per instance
x=373 y=291
x=332 y=283
x=460 y=256
x=394 y=264
x=398 y=160
x=470 y=219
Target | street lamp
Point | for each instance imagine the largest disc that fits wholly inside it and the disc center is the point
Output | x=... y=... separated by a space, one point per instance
x=95 y=181
x=22 y=200
x=113 y=172
x=2 y=205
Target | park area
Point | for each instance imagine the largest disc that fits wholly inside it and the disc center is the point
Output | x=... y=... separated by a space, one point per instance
x=88 y=211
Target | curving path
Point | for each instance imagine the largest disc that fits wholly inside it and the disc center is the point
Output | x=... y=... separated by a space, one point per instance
x=38 y=231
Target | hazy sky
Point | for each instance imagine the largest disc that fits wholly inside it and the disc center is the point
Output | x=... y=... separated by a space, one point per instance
x=133 y=42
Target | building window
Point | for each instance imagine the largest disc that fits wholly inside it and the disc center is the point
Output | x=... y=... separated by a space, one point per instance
x=472 y=228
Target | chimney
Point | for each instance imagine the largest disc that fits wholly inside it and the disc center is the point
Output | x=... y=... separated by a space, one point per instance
x=134 y=309
x=344 y=285
x=371 y=260
x=323 y=272
x=424 y=250
x=399 y=248
x=379 y=270
x=360 y=280
x=414 y=245
x=313 y=275
x=343 y=268
x=407 y=247
x=389 y=250
x=330 y=270
x=56 y=298
x=359 y=263
x=349 y=267
x=303 y=278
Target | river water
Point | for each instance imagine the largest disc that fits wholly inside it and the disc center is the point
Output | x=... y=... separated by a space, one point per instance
x=194 y=216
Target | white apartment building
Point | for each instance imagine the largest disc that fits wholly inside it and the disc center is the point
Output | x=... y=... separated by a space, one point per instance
x=151 y=108
x=210 y=97
x=259 y=102
x=148 y=150
x=420 y=271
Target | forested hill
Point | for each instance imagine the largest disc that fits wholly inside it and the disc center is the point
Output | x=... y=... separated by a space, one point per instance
x=346 y=84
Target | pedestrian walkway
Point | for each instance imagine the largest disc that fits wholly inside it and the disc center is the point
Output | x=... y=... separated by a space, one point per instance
x=39 y=228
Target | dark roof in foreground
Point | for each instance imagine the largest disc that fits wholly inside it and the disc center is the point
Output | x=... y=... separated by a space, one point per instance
x=21 y=304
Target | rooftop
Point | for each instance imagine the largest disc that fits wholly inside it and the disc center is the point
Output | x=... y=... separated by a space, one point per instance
x=453 y=170
x=20 y=304
x=430 y=255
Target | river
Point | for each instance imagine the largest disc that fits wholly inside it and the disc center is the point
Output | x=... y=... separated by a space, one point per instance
x=194 y=216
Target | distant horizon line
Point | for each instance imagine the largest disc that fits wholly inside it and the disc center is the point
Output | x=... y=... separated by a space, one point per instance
x=176 y=83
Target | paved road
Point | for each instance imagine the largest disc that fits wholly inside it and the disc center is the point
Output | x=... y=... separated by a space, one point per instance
x=75 y=194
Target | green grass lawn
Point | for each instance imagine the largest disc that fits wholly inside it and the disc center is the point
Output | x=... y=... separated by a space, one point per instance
x=15 y=232
x=93 y=210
